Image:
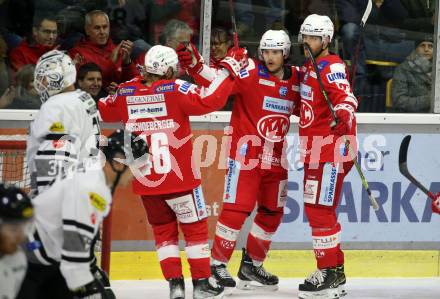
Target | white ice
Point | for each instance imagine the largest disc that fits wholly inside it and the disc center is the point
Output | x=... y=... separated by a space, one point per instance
x=358 y=288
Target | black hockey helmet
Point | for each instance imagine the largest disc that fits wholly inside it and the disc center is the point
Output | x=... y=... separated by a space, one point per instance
x=125 y=143
x=15 y=205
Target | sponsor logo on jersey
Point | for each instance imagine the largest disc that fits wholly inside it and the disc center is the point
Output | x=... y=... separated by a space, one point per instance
x=147 y=111
x=164 y=88
x=262 y=71
x=322 y=65
x=282 y=193
x=58 y=143
x=328 y=185
x=97 y=201
x=57 y=127
x=277 y=105
x=185 y=87
x=295 y=88
x=283 y=91
x=306 y=115
x=336 y=77
x=273 y=127
x=306 y=92
x=325 y=242
x=152 y=98
x=313 y=74
x=150 y=125
x=244 y=73
x=230 y=192
x=126 y=91
x=266 y=82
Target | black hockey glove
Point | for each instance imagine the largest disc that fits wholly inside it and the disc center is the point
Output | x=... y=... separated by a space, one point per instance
x=92 y=290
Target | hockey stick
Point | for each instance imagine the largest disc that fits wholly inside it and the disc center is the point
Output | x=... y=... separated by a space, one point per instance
x=373 y=201
x=403 y=167
x=358 y=44
x=234 y=24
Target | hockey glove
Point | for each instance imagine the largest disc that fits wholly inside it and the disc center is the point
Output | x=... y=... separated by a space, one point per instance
x=235 y=61
x=102 y=277
x=189 y=58
x=92 y=290
x=436 y=204
x=344 y=114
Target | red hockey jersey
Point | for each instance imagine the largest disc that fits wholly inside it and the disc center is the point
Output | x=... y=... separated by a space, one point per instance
x=261 y=113
x=160 y=114
x=317 y=141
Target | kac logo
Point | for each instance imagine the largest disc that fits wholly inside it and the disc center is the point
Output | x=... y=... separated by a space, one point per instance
x=283 y=91
x=273 y=127
x=306 y=115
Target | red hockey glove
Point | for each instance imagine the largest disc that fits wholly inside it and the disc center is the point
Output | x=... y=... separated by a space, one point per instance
x=235 y=61
x=344 y=114
x=189 y=58
x=436 y=203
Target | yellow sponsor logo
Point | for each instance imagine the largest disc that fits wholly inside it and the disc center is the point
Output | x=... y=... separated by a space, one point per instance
x=28 y=213
x=97 y=201
x=56 y=127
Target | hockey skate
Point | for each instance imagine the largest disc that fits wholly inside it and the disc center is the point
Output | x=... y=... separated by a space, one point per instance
x=221 y=274
x=207 y=288
x=341 y=281
x=252 y=277
x=177 y=288
x=321 y=284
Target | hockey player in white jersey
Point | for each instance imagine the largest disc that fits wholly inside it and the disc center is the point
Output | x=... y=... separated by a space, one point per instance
x=65 y=129
x=16 y=214
x=67 y=218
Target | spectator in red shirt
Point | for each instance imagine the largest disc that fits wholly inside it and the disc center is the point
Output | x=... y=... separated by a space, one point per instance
x=44 y=37
x=114 y=60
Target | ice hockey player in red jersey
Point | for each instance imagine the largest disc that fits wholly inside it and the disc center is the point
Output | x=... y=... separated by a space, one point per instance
x=156 y=106
x=266 y=94
x=324 y=153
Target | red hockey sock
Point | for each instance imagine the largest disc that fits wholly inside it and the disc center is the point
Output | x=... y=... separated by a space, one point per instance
x=226 y=234
x=326 y=246
x=197 y=248
x=167 y=247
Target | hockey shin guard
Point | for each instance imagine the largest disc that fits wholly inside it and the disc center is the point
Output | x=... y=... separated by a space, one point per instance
x=326 y=246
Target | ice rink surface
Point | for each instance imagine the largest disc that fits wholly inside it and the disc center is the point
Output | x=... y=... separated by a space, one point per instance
x=358 y=288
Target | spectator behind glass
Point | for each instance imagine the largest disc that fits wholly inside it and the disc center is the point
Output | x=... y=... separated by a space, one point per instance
x=44 y=37
x=221 y=41
x=89 y=79
x=159 y=12
x=176 y=32
x=420 y=15
x=4 y=70
x=412 y=81
x=23 y=95
x=114 y=60
x=382 y=41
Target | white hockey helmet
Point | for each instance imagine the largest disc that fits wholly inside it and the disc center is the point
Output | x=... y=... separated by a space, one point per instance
x=317 y=25
x=53 y=73
x=159 y=59
x=275 y=40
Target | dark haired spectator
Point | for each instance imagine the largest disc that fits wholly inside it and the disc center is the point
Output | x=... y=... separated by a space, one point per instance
x=412 y=81
x=23 y=95
x=221 y=41
x=114 y=60
x=44 y=37
x=89 y=79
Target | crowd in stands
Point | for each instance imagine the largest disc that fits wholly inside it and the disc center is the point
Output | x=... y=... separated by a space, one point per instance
x=108 y=39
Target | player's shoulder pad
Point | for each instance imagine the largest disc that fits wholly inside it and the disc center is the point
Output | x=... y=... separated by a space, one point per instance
x=337 y=73
x=185 y=87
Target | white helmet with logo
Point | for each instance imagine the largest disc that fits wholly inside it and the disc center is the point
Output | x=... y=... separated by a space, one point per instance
x=317 y=25
x=275 y=40
x=159 y=59
x=53 y=73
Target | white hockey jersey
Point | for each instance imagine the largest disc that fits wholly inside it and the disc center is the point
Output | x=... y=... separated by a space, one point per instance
x=67 y=218
x=63 y=133
x=12 y=271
